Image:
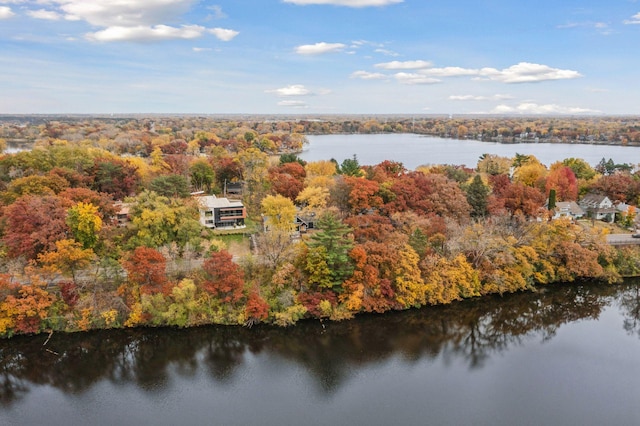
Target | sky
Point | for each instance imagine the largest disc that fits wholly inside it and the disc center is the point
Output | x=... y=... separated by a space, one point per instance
x=503 y=57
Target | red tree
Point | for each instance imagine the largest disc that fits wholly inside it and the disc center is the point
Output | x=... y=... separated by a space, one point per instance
x=224 y=279
x=287 y=179
x=257 y=308
x=618 y=187
x=425 y=194
x=564 y=181
x=521 y=199
x=370 y=227
x=147 y=267
x=34 y=224
x=114 y=176
x=363 y=195
x=227 y=169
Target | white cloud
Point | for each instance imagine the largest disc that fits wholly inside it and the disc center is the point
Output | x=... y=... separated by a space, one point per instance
x=635 y=20
x=387 y=52
x=449 y=72
x=497 y=97
x=525 y=72
x=347 y=3
x=406 y=65
x=217 y=12
x=360 y=43
x=467 y=98
x=411 y=78
x=291 y=90
x=120 y=13
x=319 y=48
x=601 y=27
x=5 y=12
x=503 y=109
x=141 y=33
x=365 y=75
x=49 y=15
x=201 y=49
x=223 y=33
x=294 y=104
x=533 y=108
x=132 y=20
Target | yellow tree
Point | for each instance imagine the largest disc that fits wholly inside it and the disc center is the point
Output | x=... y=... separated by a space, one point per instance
x=279 y=212
x=68 y=258
x=157 y=161
x=23 y=308
x=84 y=221
x=492 y=164
x=530 y=173
x=410 y=289
x=316 y=169
x=448 y=280
x=313 y=198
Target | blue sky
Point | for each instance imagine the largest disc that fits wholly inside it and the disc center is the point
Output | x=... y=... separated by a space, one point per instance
x=320 y=56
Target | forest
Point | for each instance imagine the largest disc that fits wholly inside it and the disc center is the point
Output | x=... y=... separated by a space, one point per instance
x=321 y=240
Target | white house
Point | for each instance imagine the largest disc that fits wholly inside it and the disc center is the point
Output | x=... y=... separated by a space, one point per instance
x=567 y=209
x=598 y=206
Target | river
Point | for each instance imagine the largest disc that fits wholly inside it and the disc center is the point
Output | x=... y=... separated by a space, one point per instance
x=416 y=150
x=568 y=355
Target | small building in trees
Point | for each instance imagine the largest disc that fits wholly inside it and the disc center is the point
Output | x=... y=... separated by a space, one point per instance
x=598 y=207
x=305 y=222
x=567 y=209
x=122 y=213
x=233 y=188
x=302 y=223
x=221 y=213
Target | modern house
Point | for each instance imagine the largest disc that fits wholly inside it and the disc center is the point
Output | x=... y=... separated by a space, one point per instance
x=567 y=209
x=221 y=213
x=598 y=207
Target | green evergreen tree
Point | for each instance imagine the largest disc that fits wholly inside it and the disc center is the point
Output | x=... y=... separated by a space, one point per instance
x=552 y=199
x=333 y=237
x=477 y=195
x=170 y=186
x=351 y=167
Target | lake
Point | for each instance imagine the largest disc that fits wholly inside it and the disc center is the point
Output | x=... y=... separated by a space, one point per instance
x=416 y=150
x=567 y=355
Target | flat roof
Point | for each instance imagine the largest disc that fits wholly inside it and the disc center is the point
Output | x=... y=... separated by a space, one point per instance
x=211 y=201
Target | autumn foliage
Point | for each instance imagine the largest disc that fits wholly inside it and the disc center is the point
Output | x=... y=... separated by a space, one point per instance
x=330 y=240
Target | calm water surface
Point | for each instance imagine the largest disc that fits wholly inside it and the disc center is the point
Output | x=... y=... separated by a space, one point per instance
x=567 y=356
x=415 y=150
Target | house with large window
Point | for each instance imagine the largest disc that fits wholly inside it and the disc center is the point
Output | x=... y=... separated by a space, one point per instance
x=221 y=213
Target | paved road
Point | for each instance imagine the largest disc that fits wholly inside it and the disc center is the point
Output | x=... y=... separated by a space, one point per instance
x=622 y=240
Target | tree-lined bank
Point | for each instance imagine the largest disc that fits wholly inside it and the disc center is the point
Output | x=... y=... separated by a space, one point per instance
x=103 y=232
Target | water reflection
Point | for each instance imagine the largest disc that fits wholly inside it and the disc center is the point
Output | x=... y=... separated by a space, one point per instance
x=629 y=304
x=329 y=353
